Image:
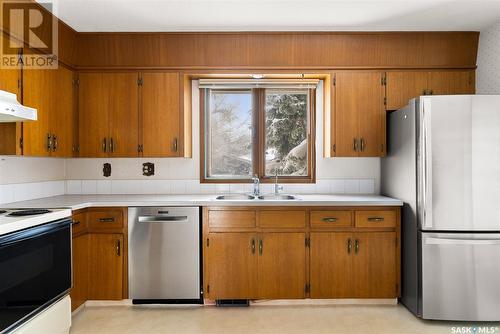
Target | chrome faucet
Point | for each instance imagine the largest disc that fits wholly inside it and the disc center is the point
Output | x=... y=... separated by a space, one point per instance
x=277 y=187
x=256 y=184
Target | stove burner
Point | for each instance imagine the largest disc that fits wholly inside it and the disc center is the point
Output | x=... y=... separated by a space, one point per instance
x=2 y=211
x=30 y=212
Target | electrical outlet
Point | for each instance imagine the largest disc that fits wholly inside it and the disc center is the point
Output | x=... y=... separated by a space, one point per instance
x=148 y=169
x=106 y=170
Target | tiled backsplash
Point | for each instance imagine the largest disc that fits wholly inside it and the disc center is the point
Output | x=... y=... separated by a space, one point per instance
x=25 y=191
x=326 y=186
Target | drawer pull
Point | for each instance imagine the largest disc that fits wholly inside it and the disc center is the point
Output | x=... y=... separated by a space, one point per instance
x=330 y=219
x=356 y=246
x=75 y=222
x=106 y=220
x=349 y=246
x=261 y=247
x=253 y=246
x=375 y=219
x=118 y=247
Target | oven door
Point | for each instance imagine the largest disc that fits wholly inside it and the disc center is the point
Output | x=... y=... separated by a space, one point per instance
x=35 y=267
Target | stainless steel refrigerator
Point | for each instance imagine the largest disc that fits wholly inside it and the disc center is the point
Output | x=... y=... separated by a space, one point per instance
x=443 y=162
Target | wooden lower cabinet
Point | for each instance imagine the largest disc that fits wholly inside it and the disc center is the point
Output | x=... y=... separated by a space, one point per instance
x=354 y=265
x=331 y=265
x=281 y=265
x=80 y=271
x=339 y=253
x=233 y=265
x=105 y=266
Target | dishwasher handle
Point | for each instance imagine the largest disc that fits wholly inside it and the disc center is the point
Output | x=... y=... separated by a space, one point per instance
x=162 y=219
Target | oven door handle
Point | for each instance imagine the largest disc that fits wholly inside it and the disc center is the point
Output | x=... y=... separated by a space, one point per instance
x=34 y=232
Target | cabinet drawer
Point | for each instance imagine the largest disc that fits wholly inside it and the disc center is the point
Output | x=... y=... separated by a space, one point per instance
x=331 y=219
x=282 y=219
x=105 y=219
x=376 y=218
x=231 y=218
x=79 y=223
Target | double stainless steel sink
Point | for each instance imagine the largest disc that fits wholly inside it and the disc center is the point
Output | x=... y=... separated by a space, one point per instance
x=269 y=197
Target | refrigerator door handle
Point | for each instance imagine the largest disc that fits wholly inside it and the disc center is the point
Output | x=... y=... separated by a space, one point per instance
x=427 y=165
x=454 y=241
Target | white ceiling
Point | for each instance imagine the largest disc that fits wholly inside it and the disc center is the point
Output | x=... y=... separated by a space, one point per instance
x=276 y=15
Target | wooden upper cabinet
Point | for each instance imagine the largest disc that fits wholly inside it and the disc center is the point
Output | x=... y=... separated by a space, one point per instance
x=359 y=114
x=108 y=114
x=123 y=113
x=51 y=92
x=62 y=117
x=451 y=82
x=374 y=265
x=281 y=265
x=232 y=273
x=106 y=266
x=38 y=88
x=405 y=85
x=160 y=114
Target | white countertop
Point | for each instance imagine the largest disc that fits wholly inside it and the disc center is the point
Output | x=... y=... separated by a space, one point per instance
x=10 y=224
x=75 y=202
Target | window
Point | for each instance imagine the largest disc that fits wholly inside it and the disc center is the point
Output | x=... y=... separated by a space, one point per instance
x=257 y=131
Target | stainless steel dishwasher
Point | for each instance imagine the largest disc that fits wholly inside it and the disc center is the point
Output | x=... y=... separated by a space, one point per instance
x=164 y=255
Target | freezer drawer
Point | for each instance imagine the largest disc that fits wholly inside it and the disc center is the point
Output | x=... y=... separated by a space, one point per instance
x=164 y=254
x=460 y=275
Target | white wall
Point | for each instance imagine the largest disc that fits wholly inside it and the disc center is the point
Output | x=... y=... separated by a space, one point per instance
x=488 y=61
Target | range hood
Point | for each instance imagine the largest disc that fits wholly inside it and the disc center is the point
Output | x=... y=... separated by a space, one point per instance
x=13 y=111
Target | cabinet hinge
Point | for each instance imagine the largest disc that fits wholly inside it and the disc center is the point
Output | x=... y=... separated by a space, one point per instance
x=208 y=288
x=384 y=81
x=140 y=148
x=208 y=242
x=307 y=288
x=21 y=143
x=308 y=242
x=140 y=81
x=334 y=80
x=334 y=147
x=76 y=82
x=385 y=101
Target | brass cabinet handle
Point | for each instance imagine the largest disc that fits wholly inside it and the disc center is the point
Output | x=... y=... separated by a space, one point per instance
x=431 y=92
x=330 y=219
x=261 y=247
x=118 y=247
x=362 y=144
x=49 y=142
x=356 y=246
x=176 y=145
x=107 y=220
x=375 y=219
x=349 y=246
x=253 y=246
x=111 y=145
x=355 y=144
x=54 y=143
x=104 y=145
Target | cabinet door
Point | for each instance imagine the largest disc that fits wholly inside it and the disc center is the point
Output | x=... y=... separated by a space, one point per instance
x=10 y=133
x=122 y=91
x=403 y=86
x=281 y=265
x=38 y=92
x=232 y=266
x=62 y=121
x=331 y=265
x=451 y=82
x=345 y=115
x=374 y=265
x=105 y=266
x=371 y=113
x=80 y=271
x=160 y=114
x=93 y=114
